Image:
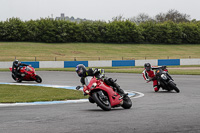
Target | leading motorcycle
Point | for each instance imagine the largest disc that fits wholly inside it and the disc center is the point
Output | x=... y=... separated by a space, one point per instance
x=27 y=74
x=103 y=95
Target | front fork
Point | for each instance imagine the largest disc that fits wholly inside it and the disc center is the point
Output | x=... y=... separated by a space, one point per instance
x=101 y=95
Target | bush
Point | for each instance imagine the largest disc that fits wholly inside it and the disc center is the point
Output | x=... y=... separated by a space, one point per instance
x=13 y=30
x=93 y=31
x=167 y=32
x=118 y=31
x=123 y=32
x=190 y=33
x=66 y=31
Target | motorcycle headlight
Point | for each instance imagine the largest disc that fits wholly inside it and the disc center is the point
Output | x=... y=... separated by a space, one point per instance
x=93 y=86
x=87 y=91
x=22 y=74
x=163 y=76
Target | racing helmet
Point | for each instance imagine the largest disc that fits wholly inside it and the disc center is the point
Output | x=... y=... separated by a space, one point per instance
x=17 y=62
x=81 y=70
x=147 y=66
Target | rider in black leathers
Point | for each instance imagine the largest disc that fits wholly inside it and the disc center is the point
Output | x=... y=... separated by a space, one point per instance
x=16 y=68
x=98 y=73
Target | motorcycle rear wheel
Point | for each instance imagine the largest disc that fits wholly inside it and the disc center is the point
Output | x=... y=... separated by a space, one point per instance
x=127 y=103
x=105 y=106
x=38 y=79
x=173 y=86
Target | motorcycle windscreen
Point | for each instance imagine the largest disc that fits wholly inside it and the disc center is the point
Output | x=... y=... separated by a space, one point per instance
x=28 y=68
x=87 y=80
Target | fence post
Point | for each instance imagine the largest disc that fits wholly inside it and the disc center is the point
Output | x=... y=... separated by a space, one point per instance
x=35 y=58
x=55 y=58
x=74 y=58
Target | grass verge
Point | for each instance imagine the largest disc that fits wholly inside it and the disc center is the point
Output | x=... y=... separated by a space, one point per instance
x=99 y=51
x=19 y=93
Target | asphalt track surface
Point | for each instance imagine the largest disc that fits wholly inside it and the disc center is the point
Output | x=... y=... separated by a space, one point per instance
x=162 y=112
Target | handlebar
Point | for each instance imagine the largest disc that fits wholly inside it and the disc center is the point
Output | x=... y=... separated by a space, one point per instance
x=154 y=78
x=78 y=87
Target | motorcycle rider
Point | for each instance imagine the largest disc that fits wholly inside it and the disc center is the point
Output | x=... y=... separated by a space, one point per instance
x=98 y=73
x=149 y=74
x=16 y=68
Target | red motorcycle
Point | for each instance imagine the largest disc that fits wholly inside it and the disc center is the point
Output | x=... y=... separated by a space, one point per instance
x=103 y=95
x=27 y=74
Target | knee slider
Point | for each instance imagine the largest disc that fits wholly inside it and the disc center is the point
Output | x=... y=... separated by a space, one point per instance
x=106 y=80
x=111 y=80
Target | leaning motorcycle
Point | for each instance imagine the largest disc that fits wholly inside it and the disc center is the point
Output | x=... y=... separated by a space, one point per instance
x=27 y=74
x=103 y=95
x=165 y=80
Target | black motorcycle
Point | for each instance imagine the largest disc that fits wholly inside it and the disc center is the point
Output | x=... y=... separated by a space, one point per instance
x=165 y=80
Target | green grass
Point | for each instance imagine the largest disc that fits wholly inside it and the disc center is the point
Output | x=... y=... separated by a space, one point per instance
x=184 y=72
x=26 y=51
x=19 y=93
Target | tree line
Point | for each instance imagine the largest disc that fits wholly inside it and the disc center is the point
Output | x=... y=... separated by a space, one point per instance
x=117 y=31
x=171 y=15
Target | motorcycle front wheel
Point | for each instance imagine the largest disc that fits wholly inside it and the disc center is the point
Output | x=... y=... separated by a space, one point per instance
x=38 y=79
x=102 y=103
x=173 y=86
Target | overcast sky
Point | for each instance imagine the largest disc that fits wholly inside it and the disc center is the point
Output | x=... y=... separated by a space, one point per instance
x=94 y=9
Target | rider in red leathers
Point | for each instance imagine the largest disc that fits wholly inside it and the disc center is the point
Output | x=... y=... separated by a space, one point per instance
x=149 y=75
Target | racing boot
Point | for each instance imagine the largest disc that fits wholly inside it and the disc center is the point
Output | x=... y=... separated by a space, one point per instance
x=156 y=89
x=155 y=85
x=119 y=90
x=115 y=85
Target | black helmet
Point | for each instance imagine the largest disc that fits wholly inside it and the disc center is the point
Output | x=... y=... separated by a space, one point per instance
x=16 y=63
x=147 y=66
x=81 y=70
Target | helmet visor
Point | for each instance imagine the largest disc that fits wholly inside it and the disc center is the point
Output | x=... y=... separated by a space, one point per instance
x=148 y=68
x=80 y=72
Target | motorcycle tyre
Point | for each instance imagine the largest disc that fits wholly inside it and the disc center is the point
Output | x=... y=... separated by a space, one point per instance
x=127 y=103
x=95 y=97
x=19 y=80
x=38 y=79
x=13 y=77
x=174 y=87
x=91 y=100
